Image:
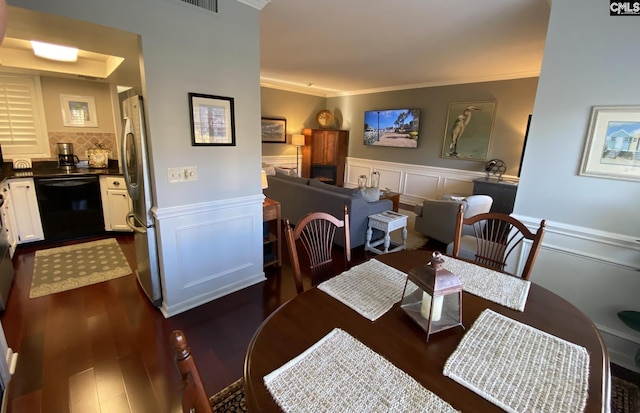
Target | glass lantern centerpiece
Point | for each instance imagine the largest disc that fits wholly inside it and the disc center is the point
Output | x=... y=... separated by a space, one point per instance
x=432 y=297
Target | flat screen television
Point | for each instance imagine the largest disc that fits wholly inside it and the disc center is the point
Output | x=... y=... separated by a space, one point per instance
x=392 y=127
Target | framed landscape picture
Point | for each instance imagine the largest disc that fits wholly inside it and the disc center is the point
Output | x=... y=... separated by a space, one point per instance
x=612 y=149
x=274 y=130
x=468 y=130
x=79 y=111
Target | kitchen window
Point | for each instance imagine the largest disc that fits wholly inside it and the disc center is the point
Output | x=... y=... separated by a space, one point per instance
x=23 y=131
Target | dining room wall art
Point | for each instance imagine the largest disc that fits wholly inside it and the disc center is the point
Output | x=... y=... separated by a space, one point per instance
x=212 y=120
x=612 y=147
x=274 y=130
x=468 y=130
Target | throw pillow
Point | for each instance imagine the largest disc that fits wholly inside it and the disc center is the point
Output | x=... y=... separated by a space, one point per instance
x=340 y=190
x=269 y=168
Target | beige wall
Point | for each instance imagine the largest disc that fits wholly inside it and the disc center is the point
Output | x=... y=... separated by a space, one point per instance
x=82 y=138
x=514 y=102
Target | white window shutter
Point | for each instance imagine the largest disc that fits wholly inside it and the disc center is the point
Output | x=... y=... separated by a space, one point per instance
x=22 y=123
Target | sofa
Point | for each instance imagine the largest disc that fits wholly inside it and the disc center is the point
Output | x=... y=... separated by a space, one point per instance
x=436 y=218
x=300 y=196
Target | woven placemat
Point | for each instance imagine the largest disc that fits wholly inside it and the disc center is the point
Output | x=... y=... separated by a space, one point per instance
x=371 y=288
x=491 y=285
x=340 y=374
x=520 y=368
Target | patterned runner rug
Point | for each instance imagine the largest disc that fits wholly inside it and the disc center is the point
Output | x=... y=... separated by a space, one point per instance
x=74 y=266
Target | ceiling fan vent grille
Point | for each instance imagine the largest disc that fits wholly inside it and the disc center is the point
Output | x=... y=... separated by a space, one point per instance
x=211 y=5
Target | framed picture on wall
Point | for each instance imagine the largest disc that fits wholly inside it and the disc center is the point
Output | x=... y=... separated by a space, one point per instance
x=612 y=149
x=79 y=111
x=468 y=130
x=212 y=120
x=274 y=130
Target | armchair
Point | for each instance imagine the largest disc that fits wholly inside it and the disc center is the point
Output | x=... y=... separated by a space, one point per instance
x=436 y=219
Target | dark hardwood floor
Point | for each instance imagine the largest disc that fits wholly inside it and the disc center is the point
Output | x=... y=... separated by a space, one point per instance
x=104 y=348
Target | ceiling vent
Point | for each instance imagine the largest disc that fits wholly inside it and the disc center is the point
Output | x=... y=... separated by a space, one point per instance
x=211 y=5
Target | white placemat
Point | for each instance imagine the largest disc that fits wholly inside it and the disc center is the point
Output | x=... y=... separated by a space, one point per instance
x=370 y=288
x=520 y=368
x=491 y=285
x=340 y=374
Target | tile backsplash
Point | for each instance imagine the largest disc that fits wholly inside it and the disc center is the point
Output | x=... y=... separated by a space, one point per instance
x=82 y=141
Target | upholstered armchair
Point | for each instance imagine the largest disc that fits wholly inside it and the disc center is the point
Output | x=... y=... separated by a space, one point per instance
x=436 y=219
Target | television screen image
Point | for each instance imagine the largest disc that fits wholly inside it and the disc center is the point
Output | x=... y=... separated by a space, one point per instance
x=394 y=127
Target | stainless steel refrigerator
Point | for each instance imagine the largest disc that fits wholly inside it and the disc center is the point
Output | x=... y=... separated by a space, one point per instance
x=140 y=220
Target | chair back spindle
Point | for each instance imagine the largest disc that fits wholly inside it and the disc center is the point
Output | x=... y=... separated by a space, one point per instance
x=316 y=232
x=497 y=236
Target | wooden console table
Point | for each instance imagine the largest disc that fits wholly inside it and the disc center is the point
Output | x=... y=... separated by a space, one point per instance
x=271 y=212
x=393 y=196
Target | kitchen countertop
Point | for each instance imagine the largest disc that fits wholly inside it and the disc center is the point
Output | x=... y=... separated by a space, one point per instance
x=50 y=169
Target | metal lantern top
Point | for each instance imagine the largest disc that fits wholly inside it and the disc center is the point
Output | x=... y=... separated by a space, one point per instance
x=434 y=279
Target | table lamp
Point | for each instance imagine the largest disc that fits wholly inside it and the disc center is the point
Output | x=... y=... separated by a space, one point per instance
x=298 y=141
x=436 y=303
x=265 y=183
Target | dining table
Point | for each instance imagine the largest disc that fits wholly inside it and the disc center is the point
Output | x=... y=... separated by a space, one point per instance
x=311 y=315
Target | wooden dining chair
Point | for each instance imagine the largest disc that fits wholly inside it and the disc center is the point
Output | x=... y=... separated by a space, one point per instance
x=496 y=236
x=194 y=396
x=316 y=232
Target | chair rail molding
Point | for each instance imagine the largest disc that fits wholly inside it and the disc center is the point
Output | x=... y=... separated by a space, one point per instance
x=208 y=250
x=598 y=272
x=415 y=183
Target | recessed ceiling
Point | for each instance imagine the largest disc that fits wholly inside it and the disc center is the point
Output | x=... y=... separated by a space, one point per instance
x=105 y=54
x=359 y=46
x=17 y=53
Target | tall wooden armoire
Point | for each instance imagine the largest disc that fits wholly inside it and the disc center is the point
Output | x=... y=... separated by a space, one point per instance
x=324 y=154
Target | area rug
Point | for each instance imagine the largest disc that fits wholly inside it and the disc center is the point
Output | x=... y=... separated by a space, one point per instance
x=230 y=399
x=625 y=398
x=74 y=266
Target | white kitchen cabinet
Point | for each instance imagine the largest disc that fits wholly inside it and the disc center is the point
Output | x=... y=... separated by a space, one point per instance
x=116 y=203
x=26 y=215
x=7 y=219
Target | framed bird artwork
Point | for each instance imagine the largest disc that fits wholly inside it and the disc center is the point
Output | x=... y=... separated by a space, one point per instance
x=468 y=130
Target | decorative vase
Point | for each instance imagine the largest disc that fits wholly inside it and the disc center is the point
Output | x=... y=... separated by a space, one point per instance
x=362 y=181
x=375 y=179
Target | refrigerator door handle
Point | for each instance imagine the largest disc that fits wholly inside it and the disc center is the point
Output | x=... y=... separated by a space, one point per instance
x=131 y=221
x=131 y=182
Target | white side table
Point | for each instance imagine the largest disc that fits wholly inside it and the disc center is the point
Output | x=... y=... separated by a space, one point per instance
x=386 y=221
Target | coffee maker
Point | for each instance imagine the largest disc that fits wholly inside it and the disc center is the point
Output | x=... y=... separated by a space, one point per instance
x=66 y=159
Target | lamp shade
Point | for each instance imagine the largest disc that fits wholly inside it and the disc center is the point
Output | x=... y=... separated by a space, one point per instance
x=297 y=140
x=265 y=183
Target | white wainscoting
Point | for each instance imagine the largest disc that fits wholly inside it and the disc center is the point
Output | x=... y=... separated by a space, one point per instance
x=208 y=250
x=286 y=161
x=597 y=272
x=414 y=182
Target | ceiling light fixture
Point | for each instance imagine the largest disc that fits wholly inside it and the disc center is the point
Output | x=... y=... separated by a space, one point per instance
x=54 y=51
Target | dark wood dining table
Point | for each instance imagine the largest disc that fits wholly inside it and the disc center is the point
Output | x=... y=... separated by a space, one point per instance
x=308 y=317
